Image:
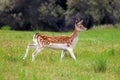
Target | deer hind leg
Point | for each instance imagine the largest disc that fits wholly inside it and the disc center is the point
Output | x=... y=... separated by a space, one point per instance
x=29 y=46
x=63 y=53
x=36 y=52
x=72 y=54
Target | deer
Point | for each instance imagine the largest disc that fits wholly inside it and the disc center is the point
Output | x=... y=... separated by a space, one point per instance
x=64 y=43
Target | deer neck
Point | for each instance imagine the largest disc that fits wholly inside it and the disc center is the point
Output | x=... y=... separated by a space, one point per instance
x=74 y=36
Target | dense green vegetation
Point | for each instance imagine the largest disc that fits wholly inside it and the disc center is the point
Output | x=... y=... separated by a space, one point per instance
x=57 y=15
x=97 y=53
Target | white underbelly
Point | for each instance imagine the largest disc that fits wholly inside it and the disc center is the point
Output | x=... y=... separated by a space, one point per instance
x=58 y=46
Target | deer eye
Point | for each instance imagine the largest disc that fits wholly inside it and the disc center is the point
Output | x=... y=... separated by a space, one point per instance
x=80 y=26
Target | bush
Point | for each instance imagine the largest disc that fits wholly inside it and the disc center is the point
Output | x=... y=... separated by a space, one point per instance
x=6 y=27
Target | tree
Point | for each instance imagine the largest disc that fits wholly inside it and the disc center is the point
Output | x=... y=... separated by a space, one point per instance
x=79 y=8
x=32 y=15
x=57 y=15
x=51 y=15
x=94 y=11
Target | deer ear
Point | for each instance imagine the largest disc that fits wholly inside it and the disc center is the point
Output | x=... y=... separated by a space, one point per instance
x=81 y=21
x=76 y=21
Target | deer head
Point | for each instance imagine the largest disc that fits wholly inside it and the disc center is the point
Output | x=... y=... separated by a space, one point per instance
x=79 y=26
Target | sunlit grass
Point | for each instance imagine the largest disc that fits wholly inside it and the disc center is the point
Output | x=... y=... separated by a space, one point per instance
x=97 y=53
x=100 y=64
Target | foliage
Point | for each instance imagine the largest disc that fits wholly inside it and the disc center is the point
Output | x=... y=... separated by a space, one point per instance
x=57 y=15
x=6 y=27
x=4 y=4
x=51 y=15
x=95 y=11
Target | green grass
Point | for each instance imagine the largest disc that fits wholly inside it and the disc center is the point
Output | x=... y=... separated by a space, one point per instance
x=97 y=53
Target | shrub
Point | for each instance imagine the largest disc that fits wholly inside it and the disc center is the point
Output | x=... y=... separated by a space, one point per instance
x=6 y=27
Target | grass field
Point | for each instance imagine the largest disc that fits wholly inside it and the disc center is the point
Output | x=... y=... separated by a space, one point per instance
x=97 y=53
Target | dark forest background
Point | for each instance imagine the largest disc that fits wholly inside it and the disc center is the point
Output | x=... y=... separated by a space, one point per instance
x=57 y=15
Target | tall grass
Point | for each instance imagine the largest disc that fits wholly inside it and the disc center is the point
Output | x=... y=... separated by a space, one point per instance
x=100 y=64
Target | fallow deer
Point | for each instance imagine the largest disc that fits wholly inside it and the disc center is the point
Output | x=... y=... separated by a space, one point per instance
x=64 y=43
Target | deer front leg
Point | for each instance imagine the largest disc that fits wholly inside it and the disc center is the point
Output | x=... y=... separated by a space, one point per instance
x=71 y=53
x=29 y=46
x=63 y=53
x=35 y=53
